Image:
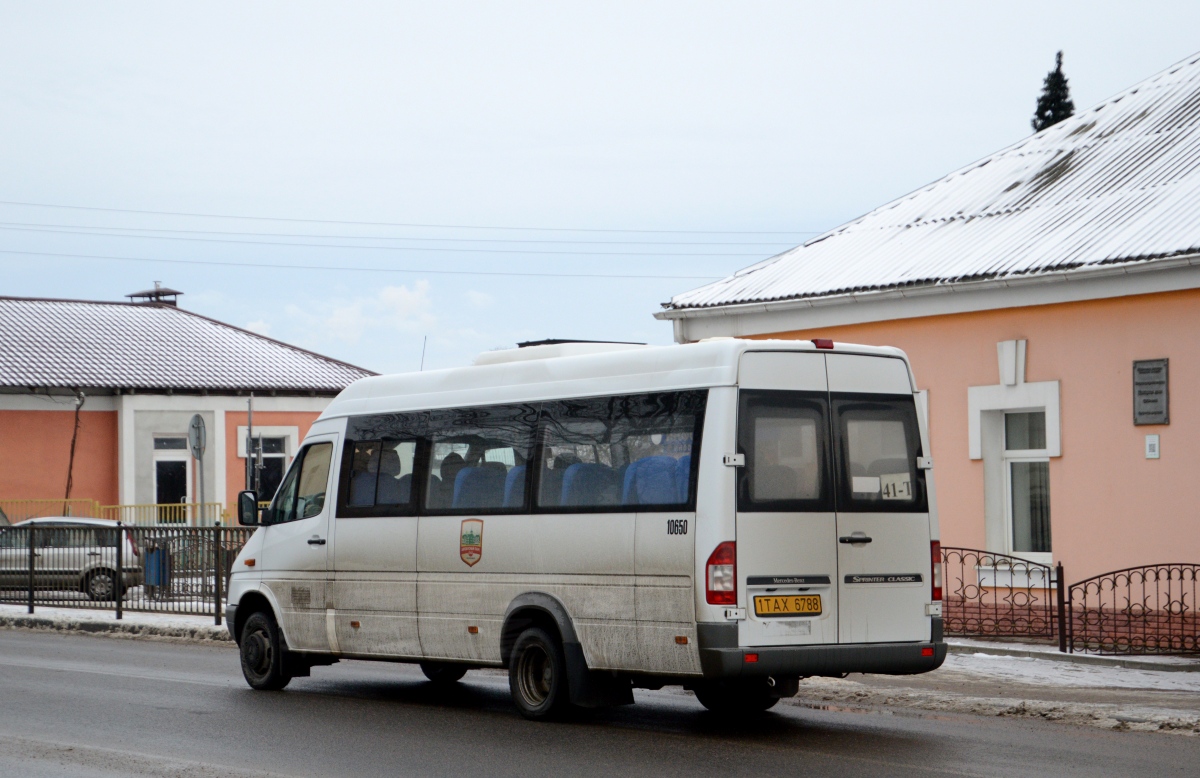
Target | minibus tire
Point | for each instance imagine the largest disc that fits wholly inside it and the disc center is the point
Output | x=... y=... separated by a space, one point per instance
x=736 y=699
x=537 y=676
x=261 y=650
x=443 y=673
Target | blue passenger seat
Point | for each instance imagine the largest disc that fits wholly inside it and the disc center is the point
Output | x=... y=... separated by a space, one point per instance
x=479 y=487
x=393 y=489
x=362 y=488
x=683 y=477
x=651 y=481
x=589 y=484
x=514 y=487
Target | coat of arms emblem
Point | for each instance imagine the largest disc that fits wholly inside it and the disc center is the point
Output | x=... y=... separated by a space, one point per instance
x=470 y=542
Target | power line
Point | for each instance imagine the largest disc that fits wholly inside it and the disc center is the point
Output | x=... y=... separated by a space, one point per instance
x=53 y=227
x=391 y=248
x=399 y=224
x=343 y=268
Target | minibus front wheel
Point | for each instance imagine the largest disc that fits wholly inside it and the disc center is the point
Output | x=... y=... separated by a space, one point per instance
x=537 y=676
x=261 y=649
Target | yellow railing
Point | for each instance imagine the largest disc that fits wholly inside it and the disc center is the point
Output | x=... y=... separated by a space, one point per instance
x=184 y=514
x=203 y=514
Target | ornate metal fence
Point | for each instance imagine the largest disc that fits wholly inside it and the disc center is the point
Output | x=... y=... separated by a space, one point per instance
x=1139 y=610
x=986 y=594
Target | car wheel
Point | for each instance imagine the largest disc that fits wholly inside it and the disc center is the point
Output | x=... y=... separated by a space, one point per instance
x=736 y=699
x=443 y=673
x=261 y=649
x=537 y=676
x=101 y=584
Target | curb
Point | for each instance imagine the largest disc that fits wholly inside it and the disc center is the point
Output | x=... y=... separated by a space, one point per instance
x=210 y=634
x=1079 y=659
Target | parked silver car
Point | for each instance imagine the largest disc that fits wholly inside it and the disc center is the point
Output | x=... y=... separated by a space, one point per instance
x=69 y=555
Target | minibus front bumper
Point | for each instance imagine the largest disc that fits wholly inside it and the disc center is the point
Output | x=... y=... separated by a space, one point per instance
x=722 y=657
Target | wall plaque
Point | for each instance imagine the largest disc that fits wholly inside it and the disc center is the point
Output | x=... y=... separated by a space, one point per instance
x=1150 y=399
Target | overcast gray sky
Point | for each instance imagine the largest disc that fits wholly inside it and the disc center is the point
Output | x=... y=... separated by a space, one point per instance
x=732 y=130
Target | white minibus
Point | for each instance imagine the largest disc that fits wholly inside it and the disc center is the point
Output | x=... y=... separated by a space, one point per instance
x=731 y=516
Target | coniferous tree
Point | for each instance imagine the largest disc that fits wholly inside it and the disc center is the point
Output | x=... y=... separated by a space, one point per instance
x=1054 y=103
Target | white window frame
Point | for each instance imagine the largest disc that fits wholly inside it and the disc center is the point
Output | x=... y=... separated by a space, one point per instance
x=1011 y=458
x=986 y=408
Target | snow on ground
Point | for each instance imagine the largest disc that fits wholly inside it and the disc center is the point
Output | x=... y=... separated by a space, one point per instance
x=1027 y=670
x=95 y=620
x=859 y=696
x=1048 y=648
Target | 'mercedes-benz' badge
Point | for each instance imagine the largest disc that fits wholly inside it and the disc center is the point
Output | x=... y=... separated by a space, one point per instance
x=470 y=542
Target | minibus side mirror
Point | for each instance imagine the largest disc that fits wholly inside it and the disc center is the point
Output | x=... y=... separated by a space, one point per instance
x=248 y=509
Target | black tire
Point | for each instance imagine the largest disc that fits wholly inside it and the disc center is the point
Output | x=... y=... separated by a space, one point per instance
x=737 y=698
x=537 y=676
x=262 y=653
x=443 y=673
x=101 y=584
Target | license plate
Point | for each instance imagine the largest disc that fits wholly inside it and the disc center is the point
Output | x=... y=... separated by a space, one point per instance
x=788 y=605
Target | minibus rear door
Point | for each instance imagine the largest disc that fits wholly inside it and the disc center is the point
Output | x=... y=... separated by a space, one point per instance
x=786 y=526
x=883 y=515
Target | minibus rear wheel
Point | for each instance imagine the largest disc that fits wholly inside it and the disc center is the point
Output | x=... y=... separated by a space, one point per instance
x=261 y=649
x=736 y=698
x=537 y=676
x=443 y=673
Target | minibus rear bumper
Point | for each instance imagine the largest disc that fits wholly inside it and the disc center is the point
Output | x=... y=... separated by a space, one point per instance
x=721 y=657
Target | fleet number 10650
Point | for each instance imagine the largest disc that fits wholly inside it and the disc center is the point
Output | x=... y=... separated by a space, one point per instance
x=677 y=526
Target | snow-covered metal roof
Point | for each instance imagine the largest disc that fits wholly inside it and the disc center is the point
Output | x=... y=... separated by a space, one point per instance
x=1119 y=183
x=77 y=344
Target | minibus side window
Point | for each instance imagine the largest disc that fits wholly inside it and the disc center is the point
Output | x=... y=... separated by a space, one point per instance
x=302 y=493
x=784 y=437
x=632 y=452
x=878 y=446
x=379 y=464
x=478 y=459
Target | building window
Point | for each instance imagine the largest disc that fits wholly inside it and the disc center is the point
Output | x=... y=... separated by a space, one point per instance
x=172 y=477
x=1027 y=469
x=274 y=463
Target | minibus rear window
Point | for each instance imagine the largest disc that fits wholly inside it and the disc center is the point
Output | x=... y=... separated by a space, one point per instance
x=631 y=452
x=878 y=446
x=784 y=437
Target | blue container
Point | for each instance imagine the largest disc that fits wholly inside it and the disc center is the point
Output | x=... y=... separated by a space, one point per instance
x=158 y=567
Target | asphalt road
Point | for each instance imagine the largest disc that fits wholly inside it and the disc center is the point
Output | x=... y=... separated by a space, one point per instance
x=86 y=706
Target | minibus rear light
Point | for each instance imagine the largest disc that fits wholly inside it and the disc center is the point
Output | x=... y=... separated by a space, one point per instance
x=935 y=561
x=823 y=342
x=721 y=575
x=751 y=658
x=927 y=651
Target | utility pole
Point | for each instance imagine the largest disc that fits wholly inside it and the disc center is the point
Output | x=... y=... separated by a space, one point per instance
x=250 y=443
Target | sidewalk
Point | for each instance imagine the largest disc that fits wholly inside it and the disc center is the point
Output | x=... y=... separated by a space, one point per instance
x=1031 y=681
x=1187 y=664
x=132 y=623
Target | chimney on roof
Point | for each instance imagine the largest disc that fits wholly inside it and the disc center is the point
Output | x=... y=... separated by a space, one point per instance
x=158 y=295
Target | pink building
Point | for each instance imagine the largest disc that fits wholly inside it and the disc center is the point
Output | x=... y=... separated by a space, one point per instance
x=96 y=398
x=1049 y=298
